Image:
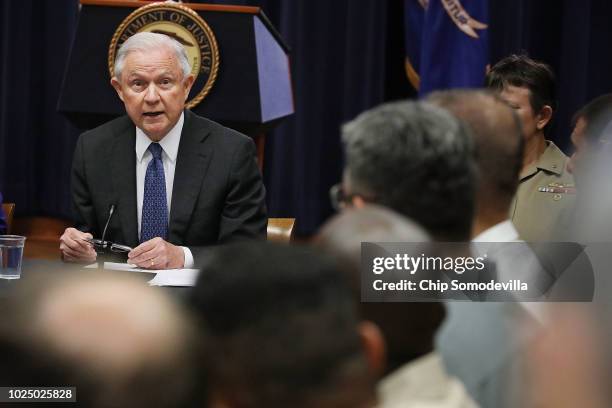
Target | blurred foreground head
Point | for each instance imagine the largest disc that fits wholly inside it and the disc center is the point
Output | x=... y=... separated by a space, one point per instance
x=591 y=128
x=592 y=168
x=120 y=342
x=408 y=328
x=498 y=141
x=569 y=361
x=284 y=330
x=416 y=159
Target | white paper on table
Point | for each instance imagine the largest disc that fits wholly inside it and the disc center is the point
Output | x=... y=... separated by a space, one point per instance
x=164 y=277
x=120 y=266
x=175 y=277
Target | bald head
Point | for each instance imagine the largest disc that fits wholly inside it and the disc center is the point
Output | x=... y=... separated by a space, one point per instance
x=498 y=141
x=408 y=328
x=115 y=335
x=372 y=223
x=114 y=325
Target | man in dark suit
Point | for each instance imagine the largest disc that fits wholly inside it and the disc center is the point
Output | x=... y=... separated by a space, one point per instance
x=175 y=182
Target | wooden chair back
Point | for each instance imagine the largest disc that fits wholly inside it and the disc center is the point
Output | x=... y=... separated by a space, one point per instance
x=280 y=229
x=9 y=210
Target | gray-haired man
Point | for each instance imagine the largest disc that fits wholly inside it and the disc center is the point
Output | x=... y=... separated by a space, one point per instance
x=175 y=182
x=416 y=159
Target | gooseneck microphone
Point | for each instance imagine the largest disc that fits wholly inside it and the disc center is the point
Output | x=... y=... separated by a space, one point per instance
x=111 y=211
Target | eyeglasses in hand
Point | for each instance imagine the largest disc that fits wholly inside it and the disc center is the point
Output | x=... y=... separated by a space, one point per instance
x=102 y=246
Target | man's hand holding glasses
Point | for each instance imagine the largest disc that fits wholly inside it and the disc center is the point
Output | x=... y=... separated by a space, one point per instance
x=75 y=246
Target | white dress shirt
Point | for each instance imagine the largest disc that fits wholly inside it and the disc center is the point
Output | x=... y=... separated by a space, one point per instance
x=510 y=267
x=502 y=232
x=423 y=383
x=170 y=146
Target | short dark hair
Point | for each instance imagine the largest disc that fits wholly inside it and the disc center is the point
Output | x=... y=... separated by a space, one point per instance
x=597 y=114
x=418 y=160
x=498 y=140
x=282 y=323
x=521 y=71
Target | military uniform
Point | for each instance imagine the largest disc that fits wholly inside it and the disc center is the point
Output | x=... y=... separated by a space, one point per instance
x=543 y=206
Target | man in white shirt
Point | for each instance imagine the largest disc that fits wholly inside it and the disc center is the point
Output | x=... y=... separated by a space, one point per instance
x=412 y=373
x=480 y=342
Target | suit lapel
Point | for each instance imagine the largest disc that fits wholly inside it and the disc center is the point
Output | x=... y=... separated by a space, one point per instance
x=123 y=169
x=191 y=165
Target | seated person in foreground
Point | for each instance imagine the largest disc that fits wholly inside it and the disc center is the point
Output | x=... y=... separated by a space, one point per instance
x=414 y=374
x=175 y=182
x=121 y=343
x=284 y=332
x=472 y=330
x=416 y=159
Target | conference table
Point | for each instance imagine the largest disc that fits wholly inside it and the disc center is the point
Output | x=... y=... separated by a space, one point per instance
x=31 y=268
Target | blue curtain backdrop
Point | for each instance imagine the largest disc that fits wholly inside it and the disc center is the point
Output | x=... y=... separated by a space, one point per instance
x=338 y=63
x=36 y=143
x=572 y=36
x=347 y=56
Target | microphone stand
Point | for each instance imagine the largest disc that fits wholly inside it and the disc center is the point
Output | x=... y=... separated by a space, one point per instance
x=111 y=211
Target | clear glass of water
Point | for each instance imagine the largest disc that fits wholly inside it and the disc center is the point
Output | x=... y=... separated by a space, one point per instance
x=11 y=254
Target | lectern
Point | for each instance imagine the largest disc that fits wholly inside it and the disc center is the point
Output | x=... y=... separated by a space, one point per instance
x=251 y=93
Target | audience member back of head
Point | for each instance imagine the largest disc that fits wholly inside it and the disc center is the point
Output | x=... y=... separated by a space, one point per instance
x=499 y=144
x=416 y=159
x=118 y=341
x=408 y=328
x=283 y=328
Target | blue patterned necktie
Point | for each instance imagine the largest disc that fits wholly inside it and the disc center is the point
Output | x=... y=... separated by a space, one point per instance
x=154 y=222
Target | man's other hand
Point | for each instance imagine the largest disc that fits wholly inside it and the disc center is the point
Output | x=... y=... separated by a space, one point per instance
x=157 y=254
x=75 y=248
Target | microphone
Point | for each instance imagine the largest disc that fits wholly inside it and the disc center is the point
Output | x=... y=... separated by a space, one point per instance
x=111 y=211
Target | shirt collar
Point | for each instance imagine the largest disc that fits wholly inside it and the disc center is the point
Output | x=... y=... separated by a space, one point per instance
x=501 y=232
x=552 y=161
x=169 y=143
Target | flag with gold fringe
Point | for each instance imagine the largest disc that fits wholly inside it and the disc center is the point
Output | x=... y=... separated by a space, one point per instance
x=446 y=43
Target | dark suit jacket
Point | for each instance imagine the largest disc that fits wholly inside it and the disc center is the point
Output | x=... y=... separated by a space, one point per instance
x=218 y=195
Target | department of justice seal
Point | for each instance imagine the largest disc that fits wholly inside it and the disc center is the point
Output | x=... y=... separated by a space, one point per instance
x=185 y=26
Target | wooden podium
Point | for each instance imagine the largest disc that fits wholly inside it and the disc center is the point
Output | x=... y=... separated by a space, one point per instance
x=252 y=92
